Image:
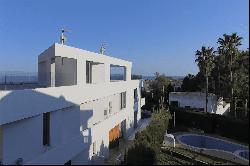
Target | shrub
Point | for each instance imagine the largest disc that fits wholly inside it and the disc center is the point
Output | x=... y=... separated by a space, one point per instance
x=148 y=142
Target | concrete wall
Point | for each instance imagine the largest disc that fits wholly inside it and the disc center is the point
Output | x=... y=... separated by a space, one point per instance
x=65 y=71
x=43 y=75
x=42 y=100
x=194 y=100
x=22 y=139
x=70 y=123
x=64 y=125
x=102 y=71
x=37 y=101
x=98 y=75
x=44 y=66
x=100 y=125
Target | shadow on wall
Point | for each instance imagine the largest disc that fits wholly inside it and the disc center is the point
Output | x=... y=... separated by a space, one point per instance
x=85 y=117
x=22 y=110
x=99 y=157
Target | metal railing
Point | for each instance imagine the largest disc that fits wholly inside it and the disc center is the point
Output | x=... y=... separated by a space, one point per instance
x=17 y=78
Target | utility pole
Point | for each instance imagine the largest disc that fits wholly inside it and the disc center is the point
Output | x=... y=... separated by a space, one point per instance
x=206 y=91
x=235 y=106
x=232 y=105
x=174 y=118
x=219 y=80
x=246 y=107
x=206 y=74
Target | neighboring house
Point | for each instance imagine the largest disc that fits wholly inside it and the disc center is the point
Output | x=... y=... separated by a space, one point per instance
x=76 y=116
x=193 y=100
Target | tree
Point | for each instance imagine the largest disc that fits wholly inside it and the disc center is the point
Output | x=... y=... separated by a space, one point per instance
x=229 y=74
x=158 y=88
x=229 y=47
x=192 y=83
x=136 y=77
x=169 y=89
x=205 y=59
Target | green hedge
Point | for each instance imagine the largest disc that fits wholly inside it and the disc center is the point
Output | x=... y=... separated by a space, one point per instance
x=147 y=143
x=213 y=123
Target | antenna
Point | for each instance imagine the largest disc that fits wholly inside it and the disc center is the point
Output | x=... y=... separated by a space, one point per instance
x=63 y=38
x=103 y=47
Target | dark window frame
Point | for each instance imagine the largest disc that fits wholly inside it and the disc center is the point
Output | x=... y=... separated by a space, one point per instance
x=89 y=72
x=46 y=129
x=123 y=100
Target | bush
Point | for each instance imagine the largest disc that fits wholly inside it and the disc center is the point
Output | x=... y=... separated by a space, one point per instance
x=114 y=143
x=140 y=154
x=148 y=142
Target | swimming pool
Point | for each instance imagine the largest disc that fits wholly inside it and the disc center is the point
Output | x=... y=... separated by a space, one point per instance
x=215 y=147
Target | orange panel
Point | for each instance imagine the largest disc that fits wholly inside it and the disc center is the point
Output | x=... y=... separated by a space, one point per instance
x=114 y=133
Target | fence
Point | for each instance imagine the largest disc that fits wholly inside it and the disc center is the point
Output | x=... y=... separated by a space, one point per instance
x=17 y=78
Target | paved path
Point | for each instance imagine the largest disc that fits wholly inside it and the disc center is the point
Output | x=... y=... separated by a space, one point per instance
x=143 y=124
x=115 y=155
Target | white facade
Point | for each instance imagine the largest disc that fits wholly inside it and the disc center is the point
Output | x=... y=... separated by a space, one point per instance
x=194 y=100
x=81 y=112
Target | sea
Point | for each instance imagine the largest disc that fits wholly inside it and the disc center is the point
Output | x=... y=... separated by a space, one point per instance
x=32 y=77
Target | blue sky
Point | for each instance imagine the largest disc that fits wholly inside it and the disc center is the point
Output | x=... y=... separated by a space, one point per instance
x=156 y=35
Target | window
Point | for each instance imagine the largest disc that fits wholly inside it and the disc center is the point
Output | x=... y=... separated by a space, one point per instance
x=46 y=129
x=88 y=72
x=105 y=113
x=94 y=148
x=123 y=100
x=110 y=107
x=135 y=95
x=117 y=73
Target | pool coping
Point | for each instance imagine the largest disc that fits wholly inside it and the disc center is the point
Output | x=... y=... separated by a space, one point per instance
x=207 y=151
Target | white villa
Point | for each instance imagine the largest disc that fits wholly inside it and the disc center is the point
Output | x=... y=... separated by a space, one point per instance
x=198 y=100
x=75 y=115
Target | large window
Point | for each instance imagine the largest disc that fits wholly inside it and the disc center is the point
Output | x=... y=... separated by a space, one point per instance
x=88 y=72
x=117 y=73
x=123 y=100
x=46 y=129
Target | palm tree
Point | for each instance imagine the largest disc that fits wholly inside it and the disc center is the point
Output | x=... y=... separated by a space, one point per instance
x=205 y=59
x=229 y=46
